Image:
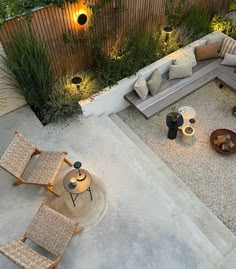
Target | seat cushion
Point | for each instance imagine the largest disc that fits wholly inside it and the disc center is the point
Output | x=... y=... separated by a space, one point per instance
x=25 y=257
x=229 y=46
x=187 y=56
x=180 y=71
x=140 y=87
x=46 y=168
x=229 y=60
x=207 y=52
x=154 y=82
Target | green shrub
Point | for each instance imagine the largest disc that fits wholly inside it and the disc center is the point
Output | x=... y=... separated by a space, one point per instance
x=62 y=104
x=89 y=86
x=232 y=6
x=223 y=24
x=135 y=53
x=174 y=11
x=28 y=69
x=197 y=19
x=179 y=38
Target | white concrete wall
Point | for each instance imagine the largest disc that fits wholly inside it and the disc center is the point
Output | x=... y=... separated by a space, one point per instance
x=111 y=100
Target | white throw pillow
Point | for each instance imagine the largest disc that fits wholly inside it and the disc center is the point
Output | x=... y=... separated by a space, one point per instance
x=229 y=60
x=140 y=87
x=187 y=55
x=154 y=82
x=180 y=71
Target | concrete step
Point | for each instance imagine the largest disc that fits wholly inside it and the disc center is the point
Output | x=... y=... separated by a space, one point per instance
x=185 y=201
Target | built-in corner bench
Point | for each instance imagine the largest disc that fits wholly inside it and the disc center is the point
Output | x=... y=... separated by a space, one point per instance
x=174 y=90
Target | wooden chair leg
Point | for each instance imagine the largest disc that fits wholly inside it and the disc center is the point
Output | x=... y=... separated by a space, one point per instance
x=68 y=162
x=17 y=183
x=52 y=191
x=79 y=230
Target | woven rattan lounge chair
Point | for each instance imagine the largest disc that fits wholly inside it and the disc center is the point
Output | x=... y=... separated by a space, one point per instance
x=20 y=153
x=49 y=230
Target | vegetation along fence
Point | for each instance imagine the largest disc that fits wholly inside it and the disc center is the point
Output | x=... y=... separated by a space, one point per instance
x=70 y=43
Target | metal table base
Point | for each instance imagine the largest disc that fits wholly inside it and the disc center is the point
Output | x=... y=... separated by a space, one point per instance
x=76 y=196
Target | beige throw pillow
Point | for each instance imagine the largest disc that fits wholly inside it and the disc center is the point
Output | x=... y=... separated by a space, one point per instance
x=229 y=60
x=180 y=71
x=216 y=38
x=229 y=46
x=206 y=52
x=154 y=82
x=187 y=56
x=140 y=87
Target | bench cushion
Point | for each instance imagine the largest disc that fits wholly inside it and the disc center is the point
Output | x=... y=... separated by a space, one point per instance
x=140 y=87
x=154 y=82
x=229 y=46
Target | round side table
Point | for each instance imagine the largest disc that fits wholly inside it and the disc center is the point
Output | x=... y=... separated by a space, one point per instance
x=83 y=183
x=188 y=113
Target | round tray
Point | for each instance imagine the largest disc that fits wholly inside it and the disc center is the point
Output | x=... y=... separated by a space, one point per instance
x=223 y=132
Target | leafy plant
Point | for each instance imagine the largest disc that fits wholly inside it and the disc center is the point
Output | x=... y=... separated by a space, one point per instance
x=232 y=6
x=136 y=52
x=62 y=104
x=174 y=12
x=180 y=37
x=225 y=25
x=28 y=69
x=197 y=19
x=89 y=86
x=12 y=8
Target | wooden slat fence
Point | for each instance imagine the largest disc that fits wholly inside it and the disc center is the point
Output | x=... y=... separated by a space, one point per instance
x=52 y=23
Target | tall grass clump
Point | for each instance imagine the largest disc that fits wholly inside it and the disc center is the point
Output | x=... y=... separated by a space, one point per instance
x=137 y=51
x=28 y=68
x=197 y=19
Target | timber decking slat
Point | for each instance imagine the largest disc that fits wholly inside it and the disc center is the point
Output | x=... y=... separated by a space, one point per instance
x=227 y=80
x=177 y=95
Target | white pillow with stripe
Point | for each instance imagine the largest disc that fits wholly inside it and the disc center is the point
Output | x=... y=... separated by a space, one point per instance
x=229 y=46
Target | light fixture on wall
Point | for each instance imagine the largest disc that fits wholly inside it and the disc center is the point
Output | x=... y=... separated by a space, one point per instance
x=82 y=19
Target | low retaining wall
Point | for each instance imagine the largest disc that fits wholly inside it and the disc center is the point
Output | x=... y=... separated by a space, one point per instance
x=111 y=100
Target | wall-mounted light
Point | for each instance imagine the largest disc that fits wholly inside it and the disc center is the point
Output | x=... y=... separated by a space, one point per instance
x=82 y=19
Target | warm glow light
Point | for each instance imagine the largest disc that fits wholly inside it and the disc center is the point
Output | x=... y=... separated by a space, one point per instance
x=76 y=10
x=77 y=14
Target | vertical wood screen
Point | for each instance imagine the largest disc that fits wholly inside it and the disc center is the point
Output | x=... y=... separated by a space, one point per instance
x=52 y=23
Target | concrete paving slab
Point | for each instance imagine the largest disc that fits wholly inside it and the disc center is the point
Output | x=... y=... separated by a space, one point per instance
x=139 y=229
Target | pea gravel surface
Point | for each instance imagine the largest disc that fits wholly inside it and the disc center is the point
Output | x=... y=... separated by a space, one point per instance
x=210 y=175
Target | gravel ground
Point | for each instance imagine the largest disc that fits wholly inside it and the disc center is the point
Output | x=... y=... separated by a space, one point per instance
x=211 y=176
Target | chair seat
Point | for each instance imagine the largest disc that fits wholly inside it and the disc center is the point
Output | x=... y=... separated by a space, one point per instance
x=25 y=257
x=46 y=167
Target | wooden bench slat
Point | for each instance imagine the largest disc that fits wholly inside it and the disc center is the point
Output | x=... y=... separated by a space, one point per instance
x=176 y=87
x=173 y=90
x=177 y=95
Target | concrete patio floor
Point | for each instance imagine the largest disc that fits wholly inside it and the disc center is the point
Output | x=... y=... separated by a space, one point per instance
x=152 y=221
